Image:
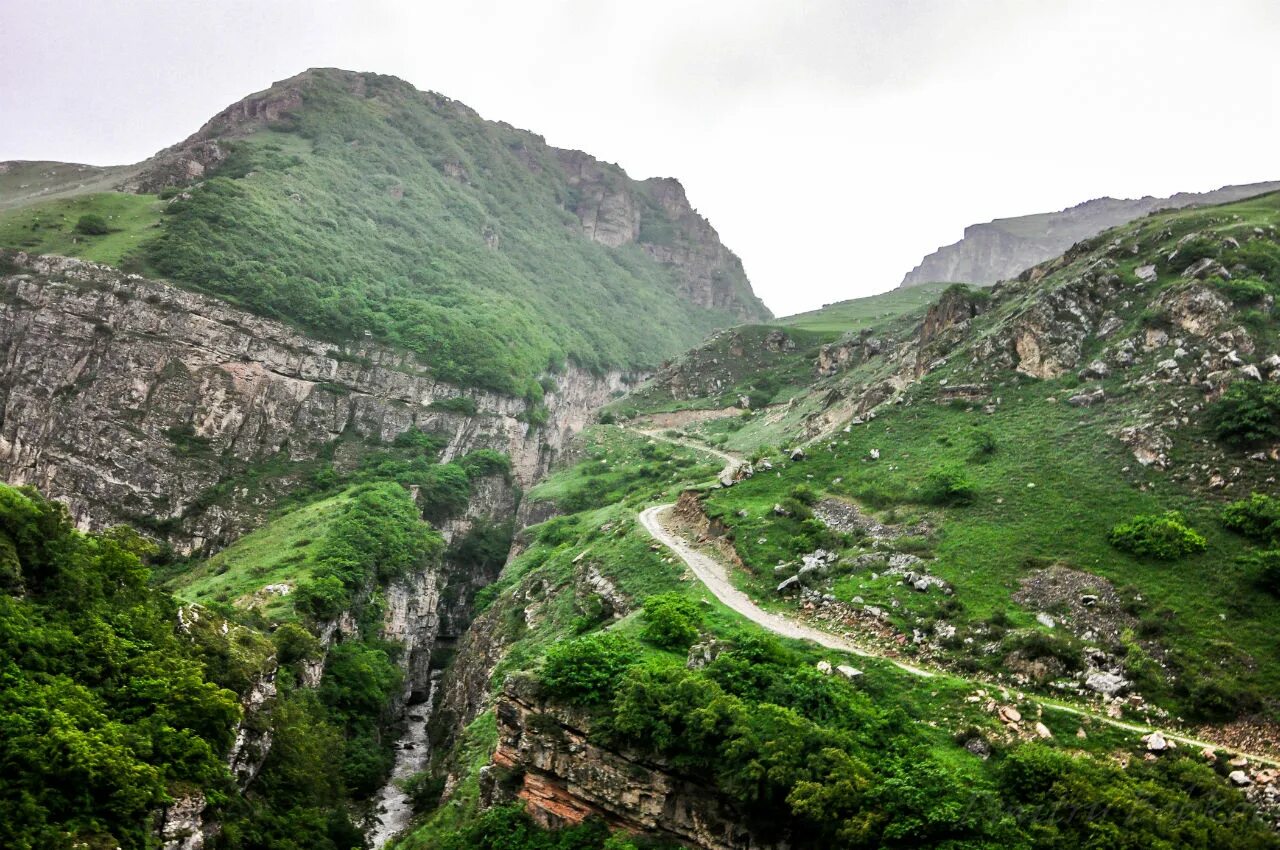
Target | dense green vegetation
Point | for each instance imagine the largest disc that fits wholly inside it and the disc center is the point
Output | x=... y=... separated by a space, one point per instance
x=106 y=711
x=509 y=828
x=405 y=215
x=817 y=760
x=332 y=744
x=1164 y=536
x=824 y=761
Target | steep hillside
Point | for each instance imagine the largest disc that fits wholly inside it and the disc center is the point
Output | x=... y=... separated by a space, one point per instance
x=1006 y=449
x=352 y=204
x=1000 y=249
x=138 y=402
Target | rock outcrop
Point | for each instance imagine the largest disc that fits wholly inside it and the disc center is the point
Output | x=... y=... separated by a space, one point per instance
x=546 y=759
x=129 y=398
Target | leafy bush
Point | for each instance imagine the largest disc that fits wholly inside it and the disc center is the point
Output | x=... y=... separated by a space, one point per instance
x=1257 y=517
x=484 y=462
x=984 y=444
x=1244 y=290
x=1247 y=414
x=585 y=670
x=671 y=620
x=511 y=828
x=804 y=494
x=92 y=224
x=1265 y=567
x=1165 y=536
x=456 y=404
x=1262 y=256
x=1194 y=249
x=947 y=484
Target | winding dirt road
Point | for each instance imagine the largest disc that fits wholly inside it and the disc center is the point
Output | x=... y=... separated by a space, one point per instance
x=713 y=574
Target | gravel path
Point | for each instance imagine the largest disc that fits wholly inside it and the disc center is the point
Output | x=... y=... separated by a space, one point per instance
x=712 y=574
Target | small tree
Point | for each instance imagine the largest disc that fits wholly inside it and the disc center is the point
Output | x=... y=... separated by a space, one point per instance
x=1248 y=413
x=1257 y=516
x=947 y=484
x=1265 y=567
x=585 y=670
x=92 y=224
x=1165 y=536
x=671 y=620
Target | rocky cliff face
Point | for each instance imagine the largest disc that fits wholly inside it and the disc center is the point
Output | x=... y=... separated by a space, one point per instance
x=545 y=758
x=129 y=398
x=1000 y=249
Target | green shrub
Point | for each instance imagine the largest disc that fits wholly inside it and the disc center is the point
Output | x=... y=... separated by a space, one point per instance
x=1257 y=517
x=455 y=404
x=1244 y=290
x=1194 y=249
x=671 y=620
x=947 y=484
x=294 y=643
x=1261 y=256
x=585 y=670
x=804 y=494
x=983 y=444
x=484 y=462
x=1265 y=569
x=92 y=225
x=1165 y=536
x=1247 y=414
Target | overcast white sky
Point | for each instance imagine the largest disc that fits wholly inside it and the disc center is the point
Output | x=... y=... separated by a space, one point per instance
x=832 y=144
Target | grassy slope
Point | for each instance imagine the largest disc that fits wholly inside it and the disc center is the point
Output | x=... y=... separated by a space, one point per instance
x=540 y=602
x=23 y=183
x=49 y=227
x=1206 y=610
x=279 y=552
x=858 y=313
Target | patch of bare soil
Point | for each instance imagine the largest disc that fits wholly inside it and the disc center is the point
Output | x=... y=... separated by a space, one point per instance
x=1083 y=603
x=681 y=418
x=1249 y=736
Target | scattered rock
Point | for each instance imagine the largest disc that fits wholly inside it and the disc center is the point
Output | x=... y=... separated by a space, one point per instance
x=1009 y=714
x=824 y=667
x=1206 y=267
x=1106 y=683
x=848 y=672
x=1146 y=274
x=1239 y=778
x=790 y=585
x=1096 y=369
x=1088 y=398
x=978 y=747
x=1043 y=731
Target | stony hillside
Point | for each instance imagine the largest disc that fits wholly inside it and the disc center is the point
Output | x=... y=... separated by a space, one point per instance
x=1003 y=248
x=352 y=204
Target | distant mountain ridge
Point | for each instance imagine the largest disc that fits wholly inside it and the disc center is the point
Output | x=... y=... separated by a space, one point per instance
x=1000 y=249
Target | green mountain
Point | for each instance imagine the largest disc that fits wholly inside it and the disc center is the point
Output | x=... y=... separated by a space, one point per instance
x=352 y=204
x=948 y=567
